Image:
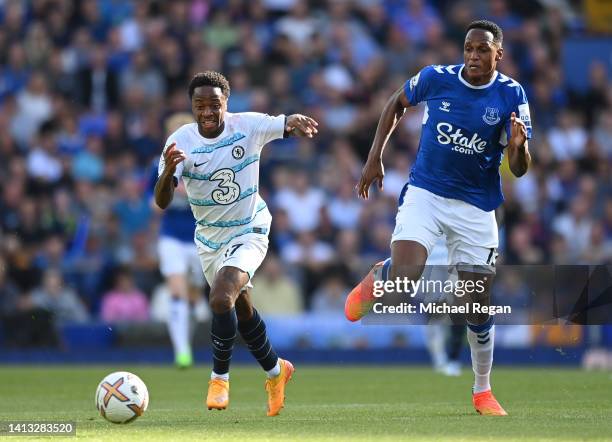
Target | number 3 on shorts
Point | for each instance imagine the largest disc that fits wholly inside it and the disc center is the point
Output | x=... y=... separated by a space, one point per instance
x=228 y=190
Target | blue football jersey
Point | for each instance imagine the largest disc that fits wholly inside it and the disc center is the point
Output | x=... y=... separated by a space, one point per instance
x=177 y=221
x=465 y=129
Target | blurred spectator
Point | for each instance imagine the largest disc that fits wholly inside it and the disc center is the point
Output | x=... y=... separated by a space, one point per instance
x=298 y=25
x=132 y=209
x=603 y=134
x=61 y=301
x=9 y=292
x=97 y=84
x=575 y=227
x=568 y=139
x=301 y=202
x=308 y=251
x=417 y=19
x=43 y=162
x=345 y=209
x=34 y=106
x=275 y=293
x=330 y=296
x=143 y=75
x=312 y=257
x=125 y=302
x=595 y=99
x=23 y=324
x=88 y=164
x=599 y=248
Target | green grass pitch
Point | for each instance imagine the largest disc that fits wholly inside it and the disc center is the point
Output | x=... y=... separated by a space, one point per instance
x=323 y=403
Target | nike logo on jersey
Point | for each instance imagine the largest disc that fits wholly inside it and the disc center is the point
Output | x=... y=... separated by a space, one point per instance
x=199 y=164
x=462 y=143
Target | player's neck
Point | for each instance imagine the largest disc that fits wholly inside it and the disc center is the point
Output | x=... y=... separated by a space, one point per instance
x=214 y=134
x=478 y=80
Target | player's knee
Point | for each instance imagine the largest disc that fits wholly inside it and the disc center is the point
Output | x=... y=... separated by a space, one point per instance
x=221 y=302
x=226 y=288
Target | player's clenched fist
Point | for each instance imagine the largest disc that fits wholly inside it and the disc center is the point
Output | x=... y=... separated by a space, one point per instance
x=172 y=157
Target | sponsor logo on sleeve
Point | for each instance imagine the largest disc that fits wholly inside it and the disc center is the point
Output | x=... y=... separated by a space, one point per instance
x=524 y=114
x=414 y=80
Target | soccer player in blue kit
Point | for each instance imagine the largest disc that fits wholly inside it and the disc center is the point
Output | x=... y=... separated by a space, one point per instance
x=179 y=262
x=472 y=114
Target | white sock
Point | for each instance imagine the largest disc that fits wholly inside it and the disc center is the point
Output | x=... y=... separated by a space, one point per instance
x=435 y=339
x=178 y=325
x=224 y=376
x=275 y=371
x=481 y=346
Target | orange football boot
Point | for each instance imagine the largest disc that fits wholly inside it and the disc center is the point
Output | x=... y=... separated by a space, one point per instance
x=276 y=387
x=486 y=404
x=361 y=299
x=218 y=394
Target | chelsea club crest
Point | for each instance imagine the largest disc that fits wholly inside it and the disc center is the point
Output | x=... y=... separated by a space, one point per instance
x=491 y=116
x=238 y=152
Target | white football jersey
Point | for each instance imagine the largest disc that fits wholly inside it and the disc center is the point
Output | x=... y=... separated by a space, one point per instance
x=221 y=176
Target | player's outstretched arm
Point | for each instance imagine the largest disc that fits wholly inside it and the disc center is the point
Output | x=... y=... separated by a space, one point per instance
x=301 y=126
x=519 y=158
x=391 y=115
x=164 y=188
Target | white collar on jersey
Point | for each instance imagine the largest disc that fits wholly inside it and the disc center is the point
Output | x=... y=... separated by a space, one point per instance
x=483 y=86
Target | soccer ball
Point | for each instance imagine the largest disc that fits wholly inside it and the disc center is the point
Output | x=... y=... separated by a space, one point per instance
x=121 y=397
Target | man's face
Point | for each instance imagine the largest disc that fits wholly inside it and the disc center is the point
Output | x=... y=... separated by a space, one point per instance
x=209 y=105
x=480 y=53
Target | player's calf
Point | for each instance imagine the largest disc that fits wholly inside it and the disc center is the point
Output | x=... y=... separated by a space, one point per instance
x=224 y=320
x=253 y=331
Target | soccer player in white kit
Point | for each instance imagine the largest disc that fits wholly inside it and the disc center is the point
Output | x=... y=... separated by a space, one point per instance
x=218 y=159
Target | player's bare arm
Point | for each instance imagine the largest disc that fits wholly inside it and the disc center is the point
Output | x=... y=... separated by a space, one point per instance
x=391 y=115
x=164 y=188
x=518 y=148
x=301 y=126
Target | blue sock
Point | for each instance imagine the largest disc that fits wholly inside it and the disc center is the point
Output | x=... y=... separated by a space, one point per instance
x=253 y=331
x=223 y=334
x=384 y=272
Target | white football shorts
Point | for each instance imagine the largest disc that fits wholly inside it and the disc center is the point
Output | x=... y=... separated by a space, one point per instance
x=179 y=257
x=245 y=252
x=471 y=233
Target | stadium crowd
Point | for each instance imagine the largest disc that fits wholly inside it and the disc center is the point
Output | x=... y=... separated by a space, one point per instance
x=85 y=88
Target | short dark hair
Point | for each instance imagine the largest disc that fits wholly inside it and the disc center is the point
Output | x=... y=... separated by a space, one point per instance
x=486 y=25
x=209 y=78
